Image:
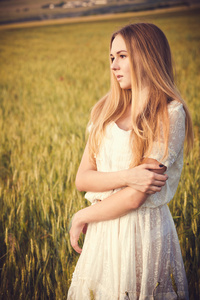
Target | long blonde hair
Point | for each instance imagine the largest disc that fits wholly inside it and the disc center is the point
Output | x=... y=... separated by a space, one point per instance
x=154 y=63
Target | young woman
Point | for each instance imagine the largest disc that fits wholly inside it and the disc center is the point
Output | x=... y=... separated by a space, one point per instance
x=136 y=133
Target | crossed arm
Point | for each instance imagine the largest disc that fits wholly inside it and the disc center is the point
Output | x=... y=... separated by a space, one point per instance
x=137 y=183
x=139 y=178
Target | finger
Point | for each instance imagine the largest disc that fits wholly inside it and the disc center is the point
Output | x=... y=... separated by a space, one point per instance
x=156 y=188
x=153 y=190
x=159 y=183
x=160 y=177
x=154 y=166
x=160 y=171
x=75 y=245
x=78 y=249
x=150 y=192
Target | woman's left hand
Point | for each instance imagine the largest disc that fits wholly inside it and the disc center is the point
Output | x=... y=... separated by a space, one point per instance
x=75 y=231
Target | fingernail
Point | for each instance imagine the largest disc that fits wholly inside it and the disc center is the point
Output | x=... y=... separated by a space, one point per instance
x=161 y=165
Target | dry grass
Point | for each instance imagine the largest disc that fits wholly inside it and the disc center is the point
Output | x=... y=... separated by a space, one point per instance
x=49 y=79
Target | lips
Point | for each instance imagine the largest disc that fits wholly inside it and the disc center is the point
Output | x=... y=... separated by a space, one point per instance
x=119 y=77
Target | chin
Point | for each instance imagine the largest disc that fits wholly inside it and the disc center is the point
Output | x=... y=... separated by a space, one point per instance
x=126 y=87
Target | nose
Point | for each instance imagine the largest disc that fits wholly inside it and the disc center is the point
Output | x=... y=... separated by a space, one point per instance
x=114 y=65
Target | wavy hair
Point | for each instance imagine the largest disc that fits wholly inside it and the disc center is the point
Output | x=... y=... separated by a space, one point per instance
x=150 y=58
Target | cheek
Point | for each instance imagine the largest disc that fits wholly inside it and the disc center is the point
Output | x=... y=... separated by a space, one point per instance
x=128 y=76
x=128 y=69
x=128 y=73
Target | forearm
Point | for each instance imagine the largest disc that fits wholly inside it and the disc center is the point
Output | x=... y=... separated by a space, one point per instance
x=95 y=181
x=115 y=206
x=89 y=179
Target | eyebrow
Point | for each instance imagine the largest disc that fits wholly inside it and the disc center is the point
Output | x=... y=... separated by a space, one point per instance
x=118 y=52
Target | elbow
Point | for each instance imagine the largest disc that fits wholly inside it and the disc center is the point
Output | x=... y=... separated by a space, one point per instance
x=79 y=184
x=136 y=204
x=137 y=199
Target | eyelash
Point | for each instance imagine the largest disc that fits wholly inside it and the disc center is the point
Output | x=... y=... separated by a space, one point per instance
x=121 y=56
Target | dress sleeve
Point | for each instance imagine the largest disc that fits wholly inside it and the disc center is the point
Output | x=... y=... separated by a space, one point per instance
x=176 y=137
x=174 y=161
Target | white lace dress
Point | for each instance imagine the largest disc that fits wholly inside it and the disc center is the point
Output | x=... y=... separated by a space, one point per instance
x=138 y=255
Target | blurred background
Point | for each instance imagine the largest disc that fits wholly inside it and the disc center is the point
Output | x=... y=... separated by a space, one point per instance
x=28 y=10
x=52 y=71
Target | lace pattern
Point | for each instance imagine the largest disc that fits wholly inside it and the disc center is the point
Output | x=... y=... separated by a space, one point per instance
x=138 y=255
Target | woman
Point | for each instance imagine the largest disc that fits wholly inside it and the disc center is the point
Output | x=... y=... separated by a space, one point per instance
x=131 y=249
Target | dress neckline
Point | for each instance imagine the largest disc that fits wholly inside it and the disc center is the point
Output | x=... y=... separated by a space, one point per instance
x=122 y=130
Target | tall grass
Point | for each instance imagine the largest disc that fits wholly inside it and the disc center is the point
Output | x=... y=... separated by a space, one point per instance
x=49 y=79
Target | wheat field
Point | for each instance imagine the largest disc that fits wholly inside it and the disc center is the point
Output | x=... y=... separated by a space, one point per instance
x=50 y=77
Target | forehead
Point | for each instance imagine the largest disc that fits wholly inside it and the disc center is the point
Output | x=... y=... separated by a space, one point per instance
x=118 y=44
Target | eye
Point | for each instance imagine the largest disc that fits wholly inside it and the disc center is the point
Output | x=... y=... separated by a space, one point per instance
x=122 y=56
x=112 y=58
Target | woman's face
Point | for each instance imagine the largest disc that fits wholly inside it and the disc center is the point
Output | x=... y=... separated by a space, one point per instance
x=120 y=64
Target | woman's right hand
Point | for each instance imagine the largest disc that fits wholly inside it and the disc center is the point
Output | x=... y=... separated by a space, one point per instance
x=148 y=177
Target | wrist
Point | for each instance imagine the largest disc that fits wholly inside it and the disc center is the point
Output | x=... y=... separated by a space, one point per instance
x=125 y=180
x=79 y=217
